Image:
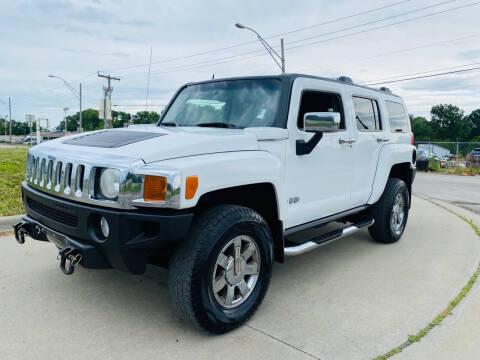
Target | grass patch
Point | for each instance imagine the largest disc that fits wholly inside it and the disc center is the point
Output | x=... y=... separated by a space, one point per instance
x=468 y=171
x=12 y=173
x=448 y=310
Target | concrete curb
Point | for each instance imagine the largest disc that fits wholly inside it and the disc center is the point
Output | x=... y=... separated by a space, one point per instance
x=6 y=222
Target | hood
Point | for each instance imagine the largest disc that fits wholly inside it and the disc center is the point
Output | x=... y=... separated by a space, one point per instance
x=152 y=143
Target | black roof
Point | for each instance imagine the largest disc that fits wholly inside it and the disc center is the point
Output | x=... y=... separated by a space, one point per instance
x=290 y=78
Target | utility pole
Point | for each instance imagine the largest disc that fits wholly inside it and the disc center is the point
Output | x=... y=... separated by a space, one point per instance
x=282 y=52
x=65 y=109
x=80 y=127
x=107 y=94
x=10 y=117
x=6 y=125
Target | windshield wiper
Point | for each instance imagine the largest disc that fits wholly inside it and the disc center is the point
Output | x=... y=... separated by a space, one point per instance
x=218 y=125
x=168 y=123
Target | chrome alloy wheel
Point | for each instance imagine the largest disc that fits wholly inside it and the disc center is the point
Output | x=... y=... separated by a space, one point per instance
x=398 y=214
x=236 y=271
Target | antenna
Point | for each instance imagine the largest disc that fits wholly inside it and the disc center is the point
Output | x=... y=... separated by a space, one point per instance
x=148 y=78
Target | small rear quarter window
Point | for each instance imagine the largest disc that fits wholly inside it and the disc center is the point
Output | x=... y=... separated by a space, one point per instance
x=397 y=117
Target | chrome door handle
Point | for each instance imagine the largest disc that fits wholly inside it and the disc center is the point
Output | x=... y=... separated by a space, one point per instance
x=385 y=139
x=346 y=141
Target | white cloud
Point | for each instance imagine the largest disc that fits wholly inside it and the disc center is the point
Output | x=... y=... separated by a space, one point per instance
x=74 y=39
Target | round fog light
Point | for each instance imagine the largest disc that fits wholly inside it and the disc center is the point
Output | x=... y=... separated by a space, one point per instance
x=104 y=227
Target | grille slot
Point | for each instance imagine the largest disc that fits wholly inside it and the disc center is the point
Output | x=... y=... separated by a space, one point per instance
x=42 y=174
x=49 y=174
x=54 y=214
x=79 y=180
x=68 y=177
x=58 y=175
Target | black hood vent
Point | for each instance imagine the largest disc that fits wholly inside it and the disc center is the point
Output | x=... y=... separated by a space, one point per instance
x=111 y=138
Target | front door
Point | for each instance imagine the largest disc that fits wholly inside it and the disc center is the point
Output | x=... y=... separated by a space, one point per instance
x=317 y=184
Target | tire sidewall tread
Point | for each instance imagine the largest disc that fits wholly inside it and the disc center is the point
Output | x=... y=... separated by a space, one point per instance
x=191 y=267
x=381 y=212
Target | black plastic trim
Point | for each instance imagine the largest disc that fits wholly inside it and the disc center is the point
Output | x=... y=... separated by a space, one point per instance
x=305 y=148
x=324 y=220
x=134 y=235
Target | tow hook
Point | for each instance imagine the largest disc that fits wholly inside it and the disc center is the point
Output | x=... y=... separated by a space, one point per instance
x=72 y=256
x=20 y=232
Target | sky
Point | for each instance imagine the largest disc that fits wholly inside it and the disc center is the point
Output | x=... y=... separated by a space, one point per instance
x=370 y=41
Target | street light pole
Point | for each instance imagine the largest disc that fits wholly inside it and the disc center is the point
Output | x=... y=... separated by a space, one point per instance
x=279 y=59
x=77 y=93
x=10 y=117
x=80 y=127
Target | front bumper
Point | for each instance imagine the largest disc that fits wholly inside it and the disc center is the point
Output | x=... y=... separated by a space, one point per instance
x=135 y=236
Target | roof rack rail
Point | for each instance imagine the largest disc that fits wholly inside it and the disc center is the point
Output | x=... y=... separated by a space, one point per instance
x=385 y=89
x=345 y=79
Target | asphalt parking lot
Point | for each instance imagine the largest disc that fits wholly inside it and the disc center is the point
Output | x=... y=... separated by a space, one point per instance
x=352 y=299
x=463 y=191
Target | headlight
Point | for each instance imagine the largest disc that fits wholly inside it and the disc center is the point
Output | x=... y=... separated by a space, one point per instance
x=110 y=183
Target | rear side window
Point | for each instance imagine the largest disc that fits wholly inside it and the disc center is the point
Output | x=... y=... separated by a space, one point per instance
x=397 y=117
x=315 y=101
x=366 y=114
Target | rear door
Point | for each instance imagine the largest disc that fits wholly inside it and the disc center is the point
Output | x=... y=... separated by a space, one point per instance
x=369 y=137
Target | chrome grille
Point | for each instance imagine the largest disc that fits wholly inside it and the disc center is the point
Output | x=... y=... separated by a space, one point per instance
x=65 y=179
x=72 y=175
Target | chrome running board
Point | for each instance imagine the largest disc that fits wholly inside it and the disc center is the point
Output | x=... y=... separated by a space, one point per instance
x=326 y=238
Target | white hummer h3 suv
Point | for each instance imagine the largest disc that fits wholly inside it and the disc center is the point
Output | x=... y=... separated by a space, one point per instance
x=218 y=187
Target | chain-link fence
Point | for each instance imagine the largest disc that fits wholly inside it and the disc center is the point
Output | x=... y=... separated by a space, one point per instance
x=453 y=155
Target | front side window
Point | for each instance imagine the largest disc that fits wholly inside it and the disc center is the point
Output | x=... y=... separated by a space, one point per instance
x=316 y=101
x=397 y=117
x=230 y=104
x=366 y=114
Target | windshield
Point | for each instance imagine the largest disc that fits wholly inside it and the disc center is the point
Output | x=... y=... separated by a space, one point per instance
x=232 y=104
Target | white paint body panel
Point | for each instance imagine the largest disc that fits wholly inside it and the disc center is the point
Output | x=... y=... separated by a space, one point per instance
x=331 y=179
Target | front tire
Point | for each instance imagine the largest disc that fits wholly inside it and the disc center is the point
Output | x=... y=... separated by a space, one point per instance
x=219 y=275
x=391 y=212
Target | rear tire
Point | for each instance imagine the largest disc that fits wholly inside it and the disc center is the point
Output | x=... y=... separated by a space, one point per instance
x=391 y=212
x=219 y=275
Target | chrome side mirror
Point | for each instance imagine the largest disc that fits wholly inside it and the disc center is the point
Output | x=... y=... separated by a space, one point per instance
x=321 y=122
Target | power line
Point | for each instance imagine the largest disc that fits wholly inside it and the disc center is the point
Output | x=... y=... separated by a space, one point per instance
x=387 y=25
x=268 y=37
x=376 y=21
x=423 y=72
x=395 y=52
x=425 y=76
x=262 y=52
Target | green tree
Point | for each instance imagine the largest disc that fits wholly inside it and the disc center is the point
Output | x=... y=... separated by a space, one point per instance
x=18 y=127
x=421 y=128
x=119 y=118
x=474 y=123
x=448 y=123
x=90 y=121
x=146 y=117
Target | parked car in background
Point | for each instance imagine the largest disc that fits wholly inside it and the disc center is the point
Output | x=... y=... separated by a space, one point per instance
x=473 y=158
x=30 y=140
x=4 y=141
x=422 y=155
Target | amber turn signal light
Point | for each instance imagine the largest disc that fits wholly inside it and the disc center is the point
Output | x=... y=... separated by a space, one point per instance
x=191 y=187
x=155 y=188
